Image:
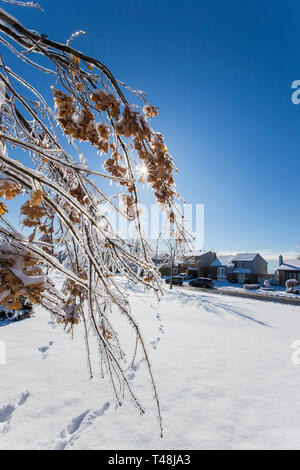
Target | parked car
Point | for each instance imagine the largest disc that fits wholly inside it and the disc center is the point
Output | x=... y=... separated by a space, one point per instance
x=176 y=280
x=202 y=282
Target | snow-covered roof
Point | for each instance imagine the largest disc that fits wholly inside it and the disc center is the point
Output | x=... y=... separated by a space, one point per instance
x=244 y=257
x=290 y=265
x=223 y=260
x=195 y=254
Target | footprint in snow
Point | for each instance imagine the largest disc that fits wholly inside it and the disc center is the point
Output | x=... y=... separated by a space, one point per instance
x=23 y=398
x=161 y=328
x=78 y=425
x=44 y=350
x=134 y=368
x=7 y=411
x=155 y=343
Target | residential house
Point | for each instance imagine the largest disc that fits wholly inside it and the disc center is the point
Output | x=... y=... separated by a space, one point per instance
x=250 y=267
x=221 y=267
x=290 y=269
x=165 y=269
x=197 y=263
x=164 y=264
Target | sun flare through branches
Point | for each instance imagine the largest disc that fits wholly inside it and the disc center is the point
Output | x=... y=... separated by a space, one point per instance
x=43 y=146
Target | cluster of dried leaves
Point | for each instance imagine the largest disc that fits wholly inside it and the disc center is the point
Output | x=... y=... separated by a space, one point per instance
x=65 y=207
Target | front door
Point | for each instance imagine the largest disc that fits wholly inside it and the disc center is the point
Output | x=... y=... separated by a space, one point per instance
x=240 y=278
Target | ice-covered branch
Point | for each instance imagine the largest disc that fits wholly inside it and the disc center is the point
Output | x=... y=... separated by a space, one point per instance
x=63 y=192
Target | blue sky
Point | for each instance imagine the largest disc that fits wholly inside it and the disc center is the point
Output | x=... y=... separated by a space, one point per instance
x=221 y=74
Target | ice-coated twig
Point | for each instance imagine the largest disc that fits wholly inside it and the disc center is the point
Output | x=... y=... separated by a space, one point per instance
x=65 y=198
x=23 y=4
x=74 y=36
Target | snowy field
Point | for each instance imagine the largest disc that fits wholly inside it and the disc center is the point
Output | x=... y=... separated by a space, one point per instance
x=222 y=364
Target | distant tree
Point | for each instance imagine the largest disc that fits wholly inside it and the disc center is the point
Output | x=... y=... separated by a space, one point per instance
x=65 y=203
x=172 y=253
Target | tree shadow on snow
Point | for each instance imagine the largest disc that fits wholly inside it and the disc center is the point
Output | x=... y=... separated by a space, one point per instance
x=213 y=305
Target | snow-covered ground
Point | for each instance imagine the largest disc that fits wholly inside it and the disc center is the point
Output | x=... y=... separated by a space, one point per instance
x=222 y=364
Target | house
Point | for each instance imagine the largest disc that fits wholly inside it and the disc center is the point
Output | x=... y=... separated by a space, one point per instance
x=166 y=268
x=197 y=263
x=250 y=267
x=221 y=267
x=290 y=269
x=164 y=264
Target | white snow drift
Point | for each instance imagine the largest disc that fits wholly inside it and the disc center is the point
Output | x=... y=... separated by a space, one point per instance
x=222 y=364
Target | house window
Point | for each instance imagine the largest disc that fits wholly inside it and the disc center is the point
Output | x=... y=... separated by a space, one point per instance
x=241 y=265
x=292 y=275
x=222 y=272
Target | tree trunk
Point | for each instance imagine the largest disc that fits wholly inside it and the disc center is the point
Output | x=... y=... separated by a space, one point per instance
x=171 y=279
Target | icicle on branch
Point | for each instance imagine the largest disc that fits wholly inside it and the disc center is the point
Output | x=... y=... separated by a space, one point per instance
x=23 y=4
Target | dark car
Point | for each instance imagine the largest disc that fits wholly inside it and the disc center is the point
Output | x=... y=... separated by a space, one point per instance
x=202 y=282
x=176 y=280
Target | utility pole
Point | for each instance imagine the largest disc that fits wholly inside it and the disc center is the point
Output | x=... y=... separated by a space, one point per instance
x=172 y=264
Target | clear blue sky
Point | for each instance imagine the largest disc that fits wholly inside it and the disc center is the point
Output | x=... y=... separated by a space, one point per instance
x=221 y=74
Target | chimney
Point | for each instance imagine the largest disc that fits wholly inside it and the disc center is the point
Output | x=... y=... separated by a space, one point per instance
x=280 y=260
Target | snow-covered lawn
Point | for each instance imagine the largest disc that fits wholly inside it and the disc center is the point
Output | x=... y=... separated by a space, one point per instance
x=222 y=364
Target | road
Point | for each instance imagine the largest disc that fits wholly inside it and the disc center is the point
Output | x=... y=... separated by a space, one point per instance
x=247 y=294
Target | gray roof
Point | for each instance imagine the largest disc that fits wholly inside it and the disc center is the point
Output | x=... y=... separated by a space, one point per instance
x=244 y=257
x=290 y=265
x=223 y=260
